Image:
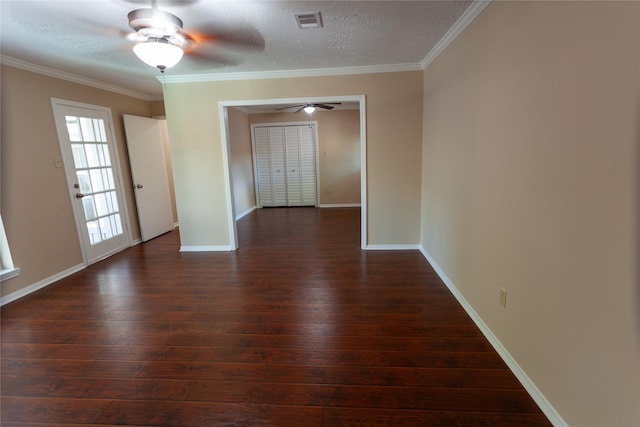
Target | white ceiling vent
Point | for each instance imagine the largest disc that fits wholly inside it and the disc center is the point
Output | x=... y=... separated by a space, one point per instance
x=309 y=20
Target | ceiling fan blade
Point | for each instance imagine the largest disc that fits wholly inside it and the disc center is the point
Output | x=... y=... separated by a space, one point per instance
x=237 y=38
x=290 y=106
x=326 y=107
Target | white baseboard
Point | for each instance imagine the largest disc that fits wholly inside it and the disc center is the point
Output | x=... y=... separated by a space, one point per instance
x=340 y=205
x=546 y=407
x=203 y=248
x=39 y=285
x=392 y=247
x=245 y=213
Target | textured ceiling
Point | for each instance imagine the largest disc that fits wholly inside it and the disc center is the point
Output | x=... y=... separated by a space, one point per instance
x=87 y=38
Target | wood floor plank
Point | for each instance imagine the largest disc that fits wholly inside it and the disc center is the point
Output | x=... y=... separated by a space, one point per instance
x=466 y=399
x=72 y=368
x=50 y=410
x=446 y=359
x=347 y=417
x=393 y=376
x=294 y=394
x=184 y=370
x=188 y=414
x=95 y=388
x=299 y=327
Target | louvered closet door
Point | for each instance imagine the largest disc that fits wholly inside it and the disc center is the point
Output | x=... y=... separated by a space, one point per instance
x=263 y=166
x=278 y=166
x=270 y=166
x=294 y=174
x=308 y=173
x=285 y=165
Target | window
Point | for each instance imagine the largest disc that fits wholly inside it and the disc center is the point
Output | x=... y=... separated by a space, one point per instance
x=7 y=270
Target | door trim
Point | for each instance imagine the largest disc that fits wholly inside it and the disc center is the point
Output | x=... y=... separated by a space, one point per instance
x=110 y=128
x=226 y=148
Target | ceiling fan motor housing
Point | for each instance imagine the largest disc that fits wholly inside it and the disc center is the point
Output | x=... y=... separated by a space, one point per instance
x=154 y=23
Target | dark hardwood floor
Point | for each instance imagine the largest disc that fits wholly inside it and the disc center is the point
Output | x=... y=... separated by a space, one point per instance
x=299 y=327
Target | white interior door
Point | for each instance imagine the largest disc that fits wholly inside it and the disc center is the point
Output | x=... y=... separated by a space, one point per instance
x=90 y=158
x=149 y=173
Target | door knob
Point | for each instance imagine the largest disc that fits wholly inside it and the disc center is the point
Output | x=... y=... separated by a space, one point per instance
x=138 y=186
x=79 y=195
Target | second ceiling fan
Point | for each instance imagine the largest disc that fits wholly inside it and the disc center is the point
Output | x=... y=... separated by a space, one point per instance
x=310 y=107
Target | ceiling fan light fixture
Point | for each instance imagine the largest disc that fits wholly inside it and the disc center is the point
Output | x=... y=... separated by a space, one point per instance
x=309 y=109
x=158 y=53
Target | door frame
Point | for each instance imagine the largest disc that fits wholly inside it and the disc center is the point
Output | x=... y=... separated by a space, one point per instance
x=79 y=221
x=313 y=123
x=226 y=149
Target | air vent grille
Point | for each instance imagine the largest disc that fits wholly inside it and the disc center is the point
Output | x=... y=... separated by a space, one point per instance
x=309 y=20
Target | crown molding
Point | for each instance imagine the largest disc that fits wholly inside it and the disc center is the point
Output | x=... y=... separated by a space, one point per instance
x=467 y=17
x=316 y=72
x=51 y=72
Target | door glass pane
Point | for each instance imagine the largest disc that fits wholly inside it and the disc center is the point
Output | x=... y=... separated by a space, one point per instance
x=92 y=155
x=100 y=131
x=105 y=228
x=83 y=181
x=116 y=225
x=103 y=155
x=86 y=125
x=101 y=204
x=79 y=157
x=94 y=232
x=107 y=179
x=73 y=127
x=112 y=203
x=96 y=180
x=89 y=208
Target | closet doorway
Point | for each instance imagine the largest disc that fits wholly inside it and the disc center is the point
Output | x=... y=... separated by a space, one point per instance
x=285 y=164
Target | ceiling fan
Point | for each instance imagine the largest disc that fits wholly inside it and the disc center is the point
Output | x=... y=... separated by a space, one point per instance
x=162 y=41
x=311 y=107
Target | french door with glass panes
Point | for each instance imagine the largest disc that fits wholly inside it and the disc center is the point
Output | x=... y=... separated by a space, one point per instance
x=90 y=159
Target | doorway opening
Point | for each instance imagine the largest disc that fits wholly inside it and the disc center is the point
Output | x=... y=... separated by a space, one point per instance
x=224 y=107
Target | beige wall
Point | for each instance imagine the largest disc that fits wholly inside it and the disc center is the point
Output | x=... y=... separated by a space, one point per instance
x=530 y=183
x=338 y=151
x=241 y=161
x=36 y=208
x=394 y=123
x=157 y=108
x=167 y=159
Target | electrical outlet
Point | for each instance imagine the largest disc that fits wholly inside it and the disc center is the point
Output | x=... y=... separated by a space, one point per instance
x=57 y=160
x=503 y=297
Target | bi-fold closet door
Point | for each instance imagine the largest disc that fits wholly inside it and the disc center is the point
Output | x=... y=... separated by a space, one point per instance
x=285 y=165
